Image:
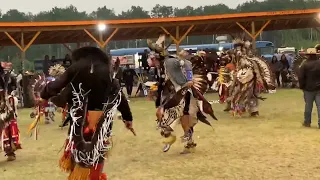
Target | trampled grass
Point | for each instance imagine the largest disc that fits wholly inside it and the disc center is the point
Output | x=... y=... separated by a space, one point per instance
x=272 y=146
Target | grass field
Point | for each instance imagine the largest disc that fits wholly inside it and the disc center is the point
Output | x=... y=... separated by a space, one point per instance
x=272 y=146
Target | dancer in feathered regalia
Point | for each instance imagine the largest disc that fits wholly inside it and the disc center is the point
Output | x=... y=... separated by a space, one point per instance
x=225 y=79
x=250 y=71
x=43 y=107
x=94 y=96
x=10 y=138
x=178 y=93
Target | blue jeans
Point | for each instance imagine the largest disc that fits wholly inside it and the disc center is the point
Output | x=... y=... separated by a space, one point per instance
x=309 y=98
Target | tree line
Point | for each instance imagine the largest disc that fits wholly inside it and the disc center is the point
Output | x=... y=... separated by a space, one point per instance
x=297 y=38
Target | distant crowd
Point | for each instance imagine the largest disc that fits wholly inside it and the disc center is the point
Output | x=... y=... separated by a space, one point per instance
x=47 y=63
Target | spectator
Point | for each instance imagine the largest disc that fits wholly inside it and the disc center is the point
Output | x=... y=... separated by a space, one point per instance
x=276 y=67
x=53 y=60
x=117 y=71
x=67 y=61
x=46 y=65
x=285 y=62
x=144 y=60
x=128 y=78
x=309 y=80
x=284 y=69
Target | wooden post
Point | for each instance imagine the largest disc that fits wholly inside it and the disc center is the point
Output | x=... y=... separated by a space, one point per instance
x=101 y=40
x=23 y=53
x=253 y=31
x=178 y=38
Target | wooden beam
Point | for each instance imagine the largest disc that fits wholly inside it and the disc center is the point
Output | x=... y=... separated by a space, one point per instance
x=100 y=41
x=169 y=34
x=262 y=28
x=299 y=21
x=306 y=17
x=13 y=40
x=20 y=46
x=110 y=37
x=175 y=40
x=31 y=41
x=186 y=33
x=206 y=28
x=92 y=37
x=67 y=47
x=245 y=30
x=137 y=32
x=286 y=23
x=256 y=34
x=218 y=27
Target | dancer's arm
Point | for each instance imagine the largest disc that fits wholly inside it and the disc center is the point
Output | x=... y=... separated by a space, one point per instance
x=123 y=107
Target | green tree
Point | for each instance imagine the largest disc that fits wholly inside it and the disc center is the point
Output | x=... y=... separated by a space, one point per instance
x=297 y=38
x=135 y=12
x=103 y=13
x=14 y=15
x=160 y=11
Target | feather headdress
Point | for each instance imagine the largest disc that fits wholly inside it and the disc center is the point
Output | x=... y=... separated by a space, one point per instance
x=56 y=70
x=238 y=42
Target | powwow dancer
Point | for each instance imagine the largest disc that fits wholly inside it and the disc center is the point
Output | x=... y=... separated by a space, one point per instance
x=176 y=100
x=94 y=96
x=43 y=107
x=250 y=71
x=10 y=138
x=225 y=79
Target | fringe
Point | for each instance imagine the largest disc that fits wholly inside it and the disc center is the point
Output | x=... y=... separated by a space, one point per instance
x=79 y=173
x=65 y=162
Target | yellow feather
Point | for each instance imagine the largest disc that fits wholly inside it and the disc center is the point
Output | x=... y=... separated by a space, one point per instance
x=34 y=123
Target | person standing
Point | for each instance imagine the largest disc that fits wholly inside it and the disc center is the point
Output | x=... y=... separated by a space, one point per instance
x=309 y=80
x=46 y=65
x=67 y=61
x=117 y=71
x=128 y=78
x=144 y=60
x=285 y=69
x=276 y=67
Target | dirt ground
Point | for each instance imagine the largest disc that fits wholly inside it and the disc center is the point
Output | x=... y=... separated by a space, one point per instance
x=272 y=146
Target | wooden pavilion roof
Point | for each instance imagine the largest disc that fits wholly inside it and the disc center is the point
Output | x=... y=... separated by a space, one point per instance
x=80 y=31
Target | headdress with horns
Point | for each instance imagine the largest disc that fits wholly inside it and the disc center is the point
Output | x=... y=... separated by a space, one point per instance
x=158 y=46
